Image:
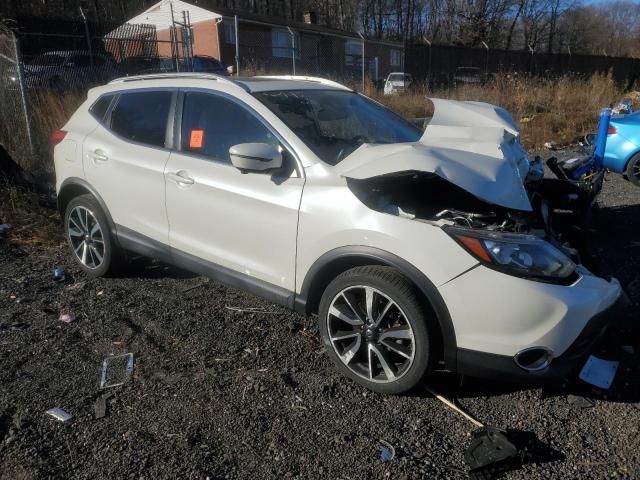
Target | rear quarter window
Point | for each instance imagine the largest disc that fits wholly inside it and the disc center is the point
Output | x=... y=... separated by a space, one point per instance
x=100 y=107
x=142 y=117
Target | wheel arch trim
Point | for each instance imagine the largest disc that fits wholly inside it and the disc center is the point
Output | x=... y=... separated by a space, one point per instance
x=70 y=184
x=339 y=259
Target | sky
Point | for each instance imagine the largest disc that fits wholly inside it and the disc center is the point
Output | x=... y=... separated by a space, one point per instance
x=604 y=2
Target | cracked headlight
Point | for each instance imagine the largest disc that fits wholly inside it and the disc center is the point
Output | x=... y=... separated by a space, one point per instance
x=515 y=254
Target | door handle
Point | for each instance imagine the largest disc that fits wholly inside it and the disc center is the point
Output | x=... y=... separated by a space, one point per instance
x=181 y=178
x=98 y=156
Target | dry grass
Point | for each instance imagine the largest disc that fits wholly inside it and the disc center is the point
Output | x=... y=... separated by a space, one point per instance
x=33 y=225
x=547 y=110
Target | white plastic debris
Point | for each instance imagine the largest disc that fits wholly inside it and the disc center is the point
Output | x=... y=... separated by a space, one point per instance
x=67 y=317
x=59 y=414
x=116 y=370
x=598 y=372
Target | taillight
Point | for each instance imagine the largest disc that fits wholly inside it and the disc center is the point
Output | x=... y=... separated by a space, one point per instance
x=612 y=131
x=57 y=136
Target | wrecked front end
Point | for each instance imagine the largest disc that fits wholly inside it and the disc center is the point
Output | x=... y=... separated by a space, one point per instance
x=478 y=185
x=470 y=171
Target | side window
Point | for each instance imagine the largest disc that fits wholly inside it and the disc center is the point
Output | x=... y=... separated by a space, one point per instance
x=212 y=124
x=100 y=107
x=142 y=117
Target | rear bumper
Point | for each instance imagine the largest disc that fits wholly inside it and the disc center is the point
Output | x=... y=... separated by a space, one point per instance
x=502 y=367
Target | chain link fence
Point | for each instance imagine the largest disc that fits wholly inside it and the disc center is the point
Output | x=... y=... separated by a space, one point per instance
x=15 y=129
x=46 y=69
x=47 y=65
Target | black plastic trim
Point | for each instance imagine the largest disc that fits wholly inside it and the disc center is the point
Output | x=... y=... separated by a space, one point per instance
x=75 y=181
x=143 y=245
x=369 y=255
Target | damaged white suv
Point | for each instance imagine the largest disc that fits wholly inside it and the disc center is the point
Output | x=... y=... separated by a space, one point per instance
x=418 y=251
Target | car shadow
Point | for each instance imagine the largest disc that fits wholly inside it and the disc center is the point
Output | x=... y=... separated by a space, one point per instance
x=145 y=268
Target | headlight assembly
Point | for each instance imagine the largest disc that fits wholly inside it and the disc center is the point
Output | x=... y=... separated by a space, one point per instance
x=515 y=254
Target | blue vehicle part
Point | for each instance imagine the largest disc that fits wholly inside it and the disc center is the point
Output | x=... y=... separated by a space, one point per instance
x=623 y=141
x=595 y=163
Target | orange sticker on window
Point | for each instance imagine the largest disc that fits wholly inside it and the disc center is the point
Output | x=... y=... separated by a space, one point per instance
x=196 y=139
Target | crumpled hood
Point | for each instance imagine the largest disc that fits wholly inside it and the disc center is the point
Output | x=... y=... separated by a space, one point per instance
x=470 y=144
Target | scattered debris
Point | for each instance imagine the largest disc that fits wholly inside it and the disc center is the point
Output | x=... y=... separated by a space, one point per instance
x=193 y=287
x=100 y=406
x=75 y=286
x=387 y=452
x=456 y=408
x=488 y=450
x=59 y=414
x=599 y=372
x=58 y=274
x=580 y=401
x=67 y=316
x=116 y=370
x=251 y=310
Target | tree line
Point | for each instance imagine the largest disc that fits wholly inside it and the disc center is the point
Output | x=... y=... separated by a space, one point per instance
x=552 y=26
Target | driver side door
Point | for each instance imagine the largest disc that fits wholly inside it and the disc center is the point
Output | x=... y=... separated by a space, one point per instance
x=242 y=226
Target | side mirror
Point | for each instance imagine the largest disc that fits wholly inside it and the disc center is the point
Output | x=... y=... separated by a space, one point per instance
x=255 y=157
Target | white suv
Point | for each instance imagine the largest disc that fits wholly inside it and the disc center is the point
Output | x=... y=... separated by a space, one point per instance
x=418 y=251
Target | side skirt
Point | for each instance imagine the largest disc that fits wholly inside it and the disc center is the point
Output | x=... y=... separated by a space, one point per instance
x=142 y=245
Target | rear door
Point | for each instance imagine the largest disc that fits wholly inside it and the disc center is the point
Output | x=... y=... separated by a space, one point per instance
x=243 y=222
x=124 y=160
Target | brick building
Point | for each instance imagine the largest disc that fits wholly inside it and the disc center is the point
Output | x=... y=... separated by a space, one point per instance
x=266 y=45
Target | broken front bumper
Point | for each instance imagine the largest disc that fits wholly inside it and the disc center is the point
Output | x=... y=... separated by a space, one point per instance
x=502 y=367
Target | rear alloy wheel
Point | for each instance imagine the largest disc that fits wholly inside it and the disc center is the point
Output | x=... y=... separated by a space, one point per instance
x=374 y=330
x=633 y=170
x=88 y=236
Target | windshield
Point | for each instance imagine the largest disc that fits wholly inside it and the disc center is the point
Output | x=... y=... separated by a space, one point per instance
x=399 y=77
x=333 y=123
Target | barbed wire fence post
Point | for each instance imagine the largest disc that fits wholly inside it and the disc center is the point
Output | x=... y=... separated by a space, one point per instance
x=362 y=59
x=293 y=50
x=22 y=87
x=237 y=40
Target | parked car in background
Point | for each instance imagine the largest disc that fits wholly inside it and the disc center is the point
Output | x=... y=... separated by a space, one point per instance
x=622 y=153
x=63 y=69
x=419 y=251
x=467 y=76
x=397 y=82
x=198 y=63
x=138 y=65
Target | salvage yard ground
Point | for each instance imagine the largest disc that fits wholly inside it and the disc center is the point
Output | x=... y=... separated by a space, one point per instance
x=220 y=392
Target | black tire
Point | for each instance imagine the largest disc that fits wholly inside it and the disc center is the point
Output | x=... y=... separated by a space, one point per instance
x=633 y=170
x=111 y=256
x=390 y=286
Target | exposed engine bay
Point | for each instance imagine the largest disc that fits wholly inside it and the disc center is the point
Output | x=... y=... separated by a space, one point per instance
x=469 y=170
x=424 y=196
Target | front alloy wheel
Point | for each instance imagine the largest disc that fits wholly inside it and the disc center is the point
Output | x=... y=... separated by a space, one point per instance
x=374 y=328
x=370 y=333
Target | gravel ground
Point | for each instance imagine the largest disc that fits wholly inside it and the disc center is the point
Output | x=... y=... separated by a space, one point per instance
x=221 y=393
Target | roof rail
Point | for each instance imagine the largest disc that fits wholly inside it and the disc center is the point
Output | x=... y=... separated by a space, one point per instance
x=324 y=81
x=182 y=75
